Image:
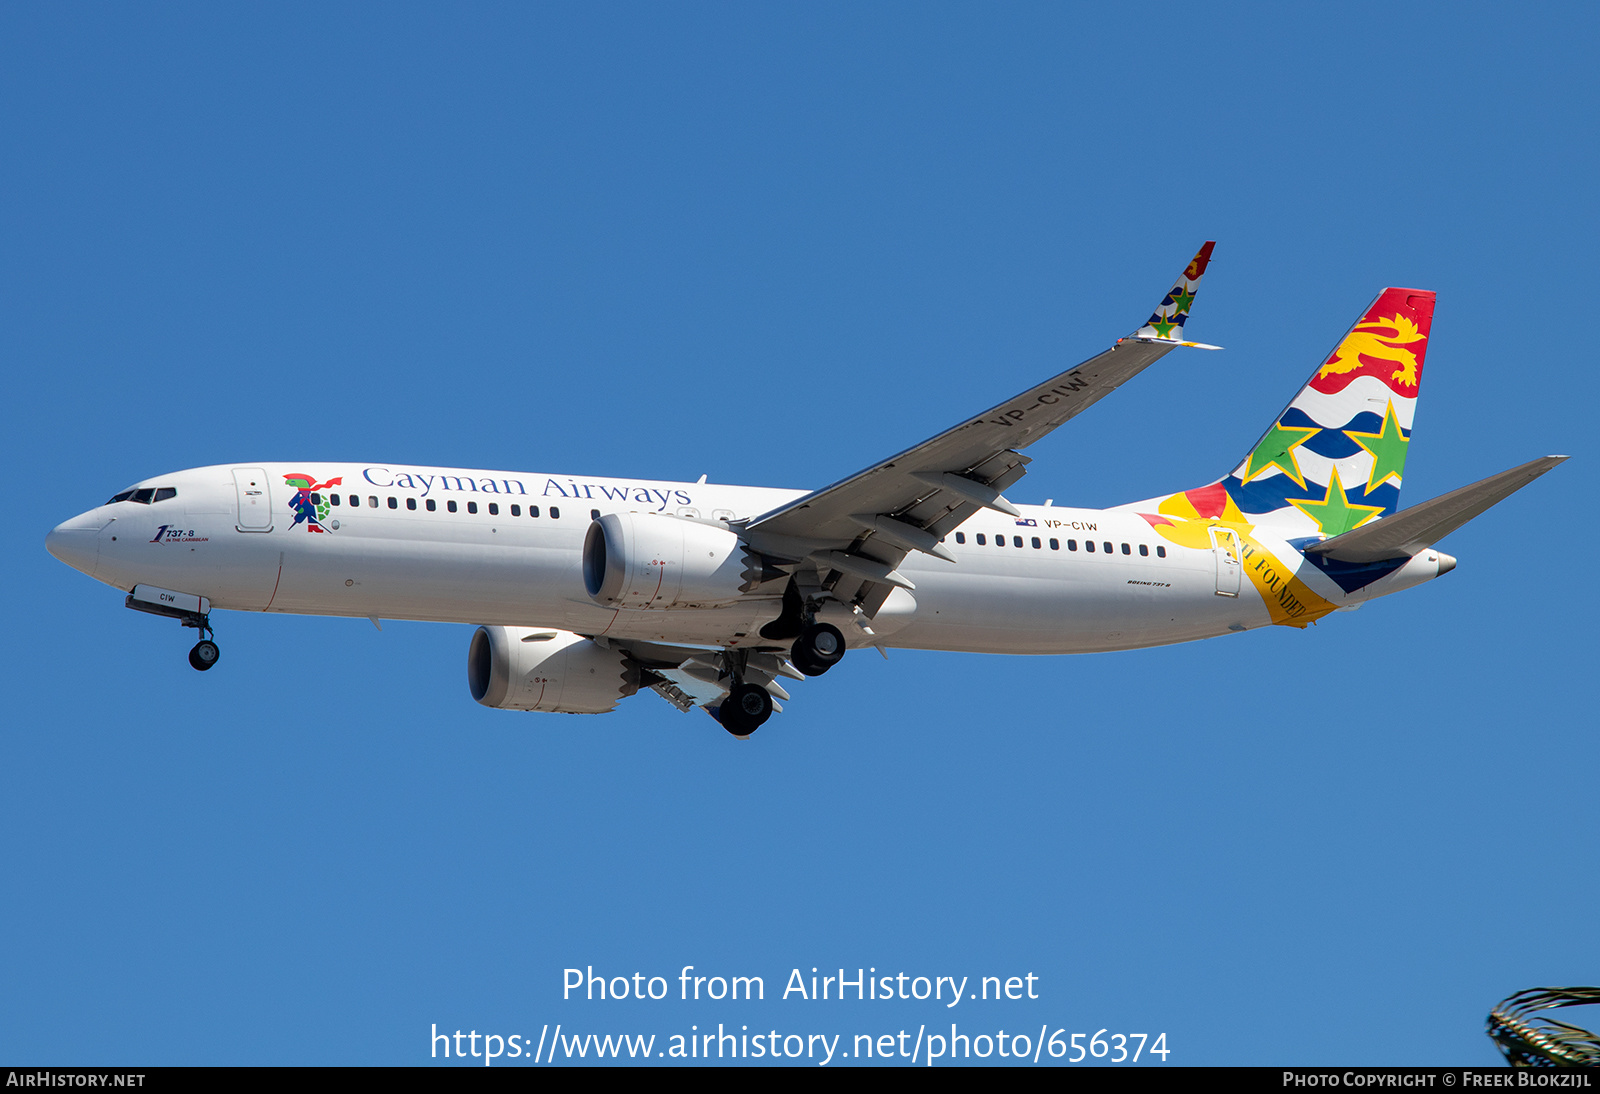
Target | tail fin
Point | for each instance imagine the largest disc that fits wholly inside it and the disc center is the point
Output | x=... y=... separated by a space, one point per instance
x=1335 y=457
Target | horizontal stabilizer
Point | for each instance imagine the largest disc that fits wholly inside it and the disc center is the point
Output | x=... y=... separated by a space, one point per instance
x=1403 y=534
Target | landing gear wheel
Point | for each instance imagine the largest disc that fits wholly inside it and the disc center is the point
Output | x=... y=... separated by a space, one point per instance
x=819 y=648
x=745 y=709
x=204 y=654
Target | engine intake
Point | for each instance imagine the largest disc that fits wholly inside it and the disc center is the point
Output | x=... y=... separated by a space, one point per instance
x=651 y=560
x=524 y=668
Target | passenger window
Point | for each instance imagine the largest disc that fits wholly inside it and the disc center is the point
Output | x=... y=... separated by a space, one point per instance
x=533 y=510
x=450 y=505
x=472 y=507
x=1161 y=552
x=1072 y=545
x=143 y=496
x=981 y=540
x=411 y=503
x=166 y=493
x=393 y=502
x=961 y=537
x=316 y=499
x=1016 y=541
x=594 y=514
x=1036 y=543
x=372 y=502
x=555 y=514
x=1055 y=545
x=1126 y=549
x=1107 y=546
x=333 y=499
x=432 y=505
x=494 y=509
x=516 y=510
x=1144 y=549
x=1088 y=545
x=999 y=541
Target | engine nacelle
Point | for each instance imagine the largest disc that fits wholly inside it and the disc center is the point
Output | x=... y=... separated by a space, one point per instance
x=526 y=668
x=650 y=560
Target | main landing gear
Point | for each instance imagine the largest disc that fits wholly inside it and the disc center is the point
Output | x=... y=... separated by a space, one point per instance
x=819 y=648
x=748 y=703
x=745 y=709
x=816 y=648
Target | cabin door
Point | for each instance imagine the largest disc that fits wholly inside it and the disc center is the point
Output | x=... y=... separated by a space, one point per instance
x=1225 y=546
x=255 y=500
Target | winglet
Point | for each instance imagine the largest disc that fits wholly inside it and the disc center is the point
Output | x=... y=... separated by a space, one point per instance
x=1166 y=322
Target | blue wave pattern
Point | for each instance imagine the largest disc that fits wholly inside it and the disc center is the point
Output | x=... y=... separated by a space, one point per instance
x=1330 y=441
x=1275 y=492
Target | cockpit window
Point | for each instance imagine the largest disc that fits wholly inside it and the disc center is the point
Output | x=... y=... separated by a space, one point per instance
x=146 y=495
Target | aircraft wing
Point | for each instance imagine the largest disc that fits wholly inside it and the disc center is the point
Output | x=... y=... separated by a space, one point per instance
x=1403 y=534
x=859 y=529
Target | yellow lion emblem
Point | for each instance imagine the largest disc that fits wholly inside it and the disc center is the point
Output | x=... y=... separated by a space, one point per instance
x=1365 y=341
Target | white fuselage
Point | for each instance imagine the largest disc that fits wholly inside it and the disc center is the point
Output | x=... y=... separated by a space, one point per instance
x=392 y=557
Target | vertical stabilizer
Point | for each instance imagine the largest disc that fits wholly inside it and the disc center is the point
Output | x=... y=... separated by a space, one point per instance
x=1335 y=458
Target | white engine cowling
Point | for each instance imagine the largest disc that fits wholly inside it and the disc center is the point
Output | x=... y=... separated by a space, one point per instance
x=651 y=560
x=526 y=668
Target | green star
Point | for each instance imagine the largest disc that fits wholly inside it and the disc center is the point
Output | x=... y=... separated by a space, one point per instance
x=1277 y=450
x=1388 y=449
x=1334 y=514
x=1184 y=299
x=1163 y=325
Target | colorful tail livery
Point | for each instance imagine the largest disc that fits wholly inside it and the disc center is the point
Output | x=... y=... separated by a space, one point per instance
x=1166 y=322
x=1331 y=462
x=1336 y=456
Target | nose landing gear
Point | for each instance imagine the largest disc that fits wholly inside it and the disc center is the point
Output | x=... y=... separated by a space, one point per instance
x=186 y=608
x=204 y=654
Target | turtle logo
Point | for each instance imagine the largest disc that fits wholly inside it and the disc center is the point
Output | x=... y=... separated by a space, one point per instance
x=308 y=509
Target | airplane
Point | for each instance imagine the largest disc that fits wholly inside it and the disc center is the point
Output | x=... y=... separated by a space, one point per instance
x=587 y=590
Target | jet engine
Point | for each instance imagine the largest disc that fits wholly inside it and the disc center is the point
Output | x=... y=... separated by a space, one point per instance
x=651 y=560
x=523 y=668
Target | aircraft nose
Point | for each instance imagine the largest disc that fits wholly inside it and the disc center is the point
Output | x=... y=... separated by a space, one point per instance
x=1446 y=563
x=76 y=543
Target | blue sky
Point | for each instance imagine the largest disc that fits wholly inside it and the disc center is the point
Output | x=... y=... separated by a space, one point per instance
x=772 y=244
